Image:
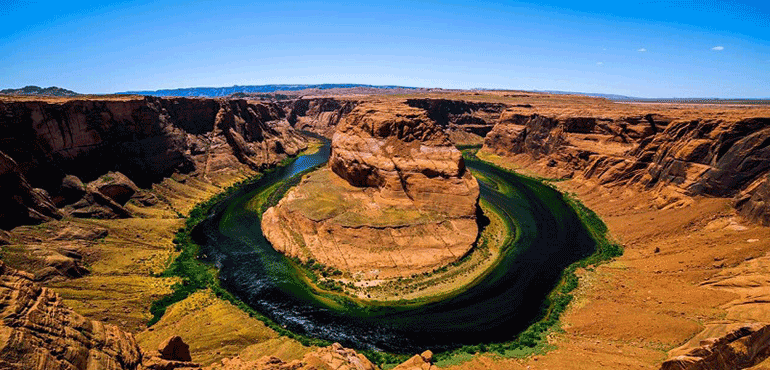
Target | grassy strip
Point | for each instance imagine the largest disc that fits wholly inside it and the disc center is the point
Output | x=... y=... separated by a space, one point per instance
x=533 y=339
x=468 y=146
x=196 y=275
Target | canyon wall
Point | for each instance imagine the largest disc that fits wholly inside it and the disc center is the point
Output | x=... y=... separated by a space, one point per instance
x=51 y=150
x=320 y=115
x=675 y=157
x=465 y=122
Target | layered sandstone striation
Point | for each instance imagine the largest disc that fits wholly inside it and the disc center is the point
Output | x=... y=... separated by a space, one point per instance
x=52 y=147
x=676 y=157
x=740 y=348
x=319 y=115
x=39 y=332
x=466 y=122
x=395 y=200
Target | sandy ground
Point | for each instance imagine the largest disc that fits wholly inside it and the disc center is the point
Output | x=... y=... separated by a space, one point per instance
x=686 y=273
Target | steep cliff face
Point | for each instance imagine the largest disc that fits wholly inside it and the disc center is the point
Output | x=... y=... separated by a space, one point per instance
x=678 y=158
x=21 y=203
x=466 y=122
x=320 y=115
x=39 y=332
x=754 y=201
x=55 y=145
x=395 y=200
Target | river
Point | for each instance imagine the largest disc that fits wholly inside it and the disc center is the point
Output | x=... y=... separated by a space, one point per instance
x=550 y=237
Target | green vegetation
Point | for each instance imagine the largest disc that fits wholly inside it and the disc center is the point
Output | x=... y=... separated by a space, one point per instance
x=196 y=275
x=533 y=339
x=468 y=146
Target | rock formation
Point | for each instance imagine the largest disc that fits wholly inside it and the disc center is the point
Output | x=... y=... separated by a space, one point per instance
x=320 y=116
x=754 y=201
x=741 y=348
x=39 y=332
x=334 y=357
x=423 y=361
x=395 y=200
x=677 y=158
x=20 y=203
x=51 y=147
x=466 y=122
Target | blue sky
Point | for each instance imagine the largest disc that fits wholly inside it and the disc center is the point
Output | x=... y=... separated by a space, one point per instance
x=647 y=49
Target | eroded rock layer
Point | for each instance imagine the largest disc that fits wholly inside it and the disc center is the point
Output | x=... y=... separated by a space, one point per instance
x=51 y=147
x=39 y=332
x=740 y=348
x=677 y=158
x=320 y=115
x=395 y=200
x=466 y=122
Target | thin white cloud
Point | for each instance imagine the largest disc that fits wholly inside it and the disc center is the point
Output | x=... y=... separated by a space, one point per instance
x=718 y=48
x=599 y=63
x=642 y=50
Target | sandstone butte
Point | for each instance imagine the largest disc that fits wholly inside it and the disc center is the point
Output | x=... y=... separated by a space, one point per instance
x=395 y=200
x=92 y=189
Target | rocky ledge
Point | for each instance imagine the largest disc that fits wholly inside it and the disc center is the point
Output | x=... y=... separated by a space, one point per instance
x=395 y=200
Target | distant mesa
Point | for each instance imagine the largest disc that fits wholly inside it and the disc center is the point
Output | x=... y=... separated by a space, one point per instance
x=39 y=91
x=395 y=200
x=217 y=92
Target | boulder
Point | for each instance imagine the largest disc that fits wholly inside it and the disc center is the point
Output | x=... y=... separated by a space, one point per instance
x=423 y=361
x=70 y=191
x=115 y=186
x=174 y=349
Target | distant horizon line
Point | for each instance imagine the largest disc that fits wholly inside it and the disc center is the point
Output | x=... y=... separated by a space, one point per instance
x=324 y=86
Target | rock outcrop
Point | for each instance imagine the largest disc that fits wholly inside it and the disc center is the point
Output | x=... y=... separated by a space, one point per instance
x=423 y=361
x=466 y=122
x=320 y=115
x=741 y=348
x=334 y=357
x=51 y=147
x=395 y=200
x=20 y=203
x=754 y=201
x=39 y=332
